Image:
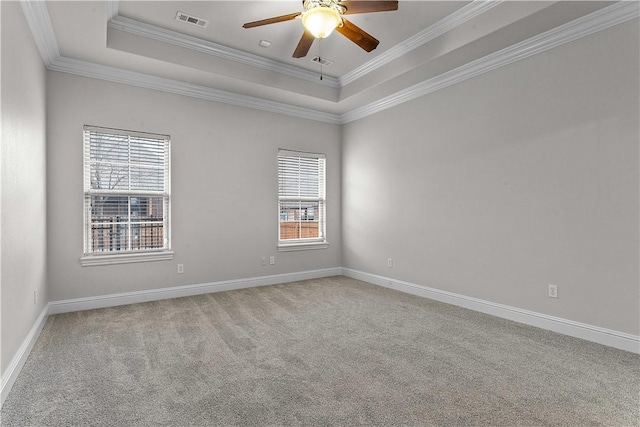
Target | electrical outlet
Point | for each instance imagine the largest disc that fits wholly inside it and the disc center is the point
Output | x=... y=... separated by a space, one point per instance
x=180 y=268
x=35 y=296
x=272 y=260
x=263 y=260
x=389 y=262
x=553 y=291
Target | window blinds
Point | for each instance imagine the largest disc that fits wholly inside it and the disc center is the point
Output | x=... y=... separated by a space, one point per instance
x=127 y=190
x=124 y=163
x=301 y=196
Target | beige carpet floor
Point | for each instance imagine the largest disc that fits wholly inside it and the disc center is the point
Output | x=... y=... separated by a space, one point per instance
x=333 y=351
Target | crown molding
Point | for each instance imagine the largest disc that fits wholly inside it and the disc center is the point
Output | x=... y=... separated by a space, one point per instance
x=594 y=22
x=37 y=16
x=148 y=81
x=112 y=9
x=178 y=39
x=444 y=25
x=38 y=20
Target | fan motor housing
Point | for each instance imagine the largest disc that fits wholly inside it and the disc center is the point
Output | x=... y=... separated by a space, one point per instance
x=331 y=4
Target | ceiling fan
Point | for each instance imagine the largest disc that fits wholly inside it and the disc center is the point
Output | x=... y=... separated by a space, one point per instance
x=321 y=17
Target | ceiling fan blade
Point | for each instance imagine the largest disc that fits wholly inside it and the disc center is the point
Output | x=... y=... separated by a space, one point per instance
x=358 y=35
x=361 y=6
x=304 y=44
x=273 y=20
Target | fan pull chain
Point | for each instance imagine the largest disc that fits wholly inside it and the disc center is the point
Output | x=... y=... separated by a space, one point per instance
x=320 y=59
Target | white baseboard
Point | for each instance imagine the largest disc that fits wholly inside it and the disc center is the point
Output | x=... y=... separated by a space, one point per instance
x=596 y=334
x=21 y=356
x=584 y=331
x=112 y=300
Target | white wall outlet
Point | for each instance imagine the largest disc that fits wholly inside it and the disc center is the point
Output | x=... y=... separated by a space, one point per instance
x=263 y=260
x=389 y=262
x=272 y=260
x=180 y=268
x=553 y=291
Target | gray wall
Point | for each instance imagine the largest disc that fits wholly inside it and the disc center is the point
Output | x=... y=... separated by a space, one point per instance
x=23 y=192
x=224 y=186
x=492 y=188
x=500 y=185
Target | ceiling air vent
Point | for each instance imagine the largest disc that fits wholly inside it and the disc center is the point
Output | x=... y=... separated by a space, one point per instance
x=322 y=61
x=189 y=19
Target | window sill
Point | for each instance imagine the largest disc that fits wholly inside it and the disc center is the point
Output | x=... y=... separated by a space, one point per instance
x=91 y=260
x=288 y=247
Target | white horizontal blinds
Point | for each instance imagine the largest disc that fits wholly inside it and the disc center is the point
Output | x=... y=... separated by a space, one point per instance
x=301 y=195
x=122 y=163
x=109 y=160
x=127 y=190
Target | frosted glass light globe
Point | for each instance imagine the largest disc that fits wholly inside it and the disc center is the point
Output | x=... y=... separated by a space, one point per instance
x=321 y=21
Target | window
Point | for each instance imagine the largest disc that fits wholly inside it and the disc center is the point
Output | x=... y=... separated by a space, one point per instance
x=301 y=200
x=127 y=196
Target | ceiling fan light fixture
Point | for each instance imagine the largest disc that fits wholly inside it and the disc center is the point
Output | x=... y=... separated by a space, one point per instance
x=321 y=17
x=321 y=21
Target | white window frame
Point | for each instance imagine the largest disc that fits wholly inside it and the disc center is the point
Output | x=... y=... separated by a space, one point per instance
x=92 y=257
x=319 y=242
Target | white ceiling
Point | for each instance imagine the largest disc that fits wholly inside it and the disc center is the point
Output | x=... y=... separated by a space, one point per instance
x=421 y=41
x=226 y=19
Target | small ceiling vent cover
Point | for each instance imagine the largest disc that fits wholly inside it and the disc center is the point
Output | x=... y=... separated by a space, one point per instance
x=323 y=61
x=189 y=19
